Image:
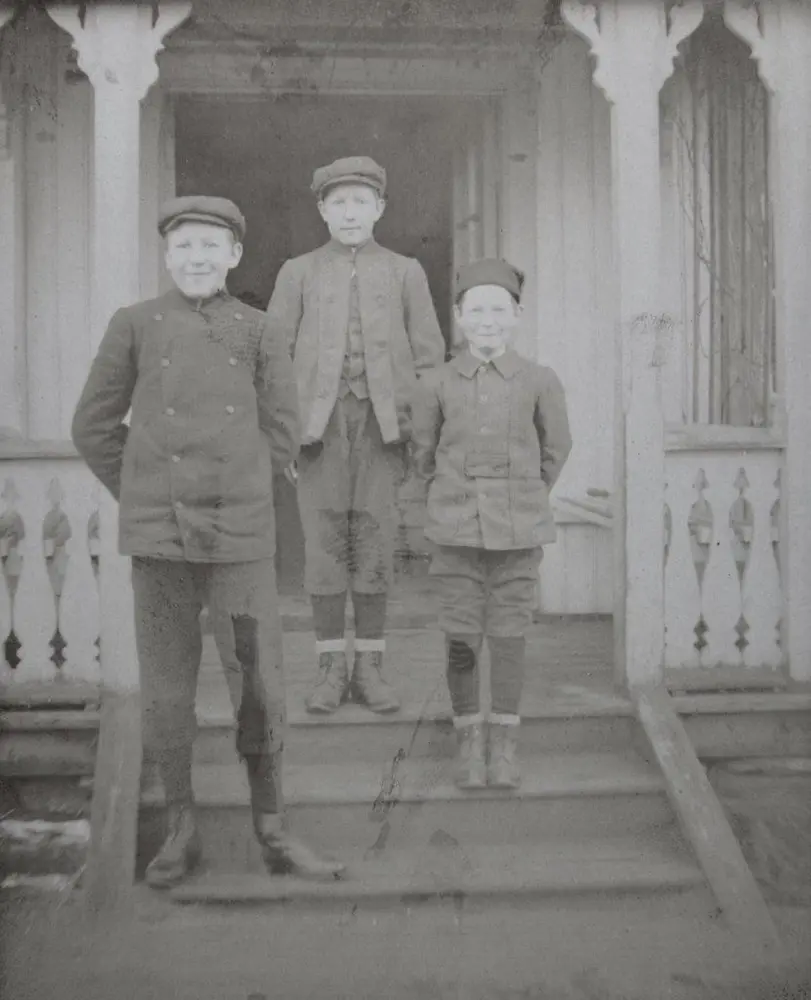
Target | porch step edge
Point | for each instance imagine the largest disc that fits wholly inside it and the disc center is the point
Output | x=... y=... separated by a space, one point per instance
x=419 y=780
x=414 y=877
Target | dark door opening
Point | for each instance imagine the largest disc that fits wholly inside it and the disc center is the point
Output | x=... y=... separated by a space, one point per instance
x=262 y=153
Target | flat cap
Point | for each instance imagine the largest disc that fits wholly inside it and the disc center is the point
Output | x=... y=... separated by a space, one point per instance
x=489 y=271
x=201 y=208
x=350 y=170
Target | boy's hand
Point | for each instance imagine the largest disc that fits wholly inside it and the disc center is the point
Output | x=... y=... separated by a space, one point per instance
x=291 y=474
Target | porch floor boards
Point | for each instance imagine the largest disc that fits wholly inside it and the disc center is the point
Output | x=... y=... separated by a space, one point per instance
x=569 y=672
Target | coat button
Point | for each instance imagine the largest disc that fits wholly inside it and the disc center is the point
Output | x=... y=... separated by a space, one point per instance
x=170 y=411
x=238 y=316
x=232 y=362
x=229 y=409
x=164 y=362
x=175 y=458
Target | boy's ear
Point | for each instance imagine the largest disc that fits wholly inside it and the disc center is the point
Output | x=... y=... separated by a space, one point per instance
x=237 y=252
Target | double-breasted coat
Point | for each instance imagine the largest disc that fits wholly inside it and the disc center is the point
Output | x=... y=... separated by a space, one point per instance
x=214 y=410
x=490 y=441
x=401 y=336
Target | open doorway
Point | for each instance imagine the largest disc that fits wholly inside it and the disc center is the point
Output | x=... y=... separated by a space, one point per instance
x=262 y=153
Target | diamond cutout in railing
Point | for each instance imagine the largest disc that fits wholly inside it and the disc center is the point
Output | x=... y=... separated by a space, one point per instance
x=701 y=630
x=741 y=627
x=11 y=650
x=58 y=645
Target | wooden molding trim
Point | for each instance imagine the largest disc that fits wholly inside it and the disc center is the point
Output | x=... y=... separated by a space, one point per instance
x=720 y=437
x=17 y=449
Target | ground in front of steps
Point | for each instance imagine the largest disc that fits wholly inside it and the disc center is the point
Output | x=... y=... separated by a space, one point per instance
x=617 y=950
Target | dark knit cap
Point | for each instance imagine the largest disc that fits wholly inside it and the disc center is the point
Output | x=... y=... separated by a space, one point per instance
x=489 y=271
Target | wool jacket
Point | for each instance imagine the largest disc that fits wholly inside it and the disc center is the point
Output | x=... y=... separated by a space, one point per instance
x=489 y=442
x=213 y=411
x=309 y=309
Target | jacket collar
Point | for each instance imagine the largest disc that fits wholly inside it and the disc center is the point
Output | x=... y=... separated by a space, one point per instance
x=336 y=247
x=506 y=364
x=180 y=301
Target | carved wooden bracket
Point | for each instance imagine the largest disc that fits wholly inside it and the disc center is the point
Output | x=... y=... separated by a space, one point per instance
x=634 y=44
x=117 y=45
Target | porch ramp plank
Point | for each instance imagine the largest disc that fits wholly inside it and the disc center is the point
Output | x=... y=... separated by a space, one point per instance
x=703 y=820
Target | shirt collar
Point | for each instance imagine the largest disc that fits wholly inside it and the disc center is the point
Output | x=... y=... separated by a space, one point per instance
x=506 y=364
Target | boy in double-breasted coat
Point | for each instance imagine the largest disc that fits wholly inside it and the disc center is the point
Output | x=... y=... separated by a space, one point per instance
x=491 y=436
x=214 y=408
x=361 y=324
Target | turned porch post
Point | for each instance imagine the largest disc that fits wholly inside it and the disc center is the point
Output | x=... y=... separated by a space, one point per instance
x=116 y=46
x=779 y=35
x=633 y=45
x=12 y=343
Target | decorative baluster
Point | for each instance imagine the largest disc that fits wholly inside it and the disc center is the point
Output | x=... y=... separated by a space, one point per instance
x=12 y=532
x=774 y=536
x=700 y=528
x=742 y=524
x=94 y=548
x=721 y=587
x=681 y=586
x=761 y=591
x=79 y=619
x=56 y=531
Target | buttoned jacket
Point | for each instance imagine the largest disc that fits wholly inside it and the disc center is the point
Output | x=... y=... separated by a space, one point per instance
x=490 y=441
x=309 y=308
x=213 y=411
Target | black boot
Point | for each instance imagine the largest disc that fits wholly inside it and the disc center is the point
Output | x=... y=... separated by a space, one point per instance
x=332 y=686
x=284 y=855
x=367 y=685
x=181 y=851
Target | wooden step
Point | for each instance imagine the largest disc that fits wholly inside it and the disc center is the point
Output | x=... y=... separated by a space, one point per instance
x=355 y=734
x=408 y=877
x=342 y=806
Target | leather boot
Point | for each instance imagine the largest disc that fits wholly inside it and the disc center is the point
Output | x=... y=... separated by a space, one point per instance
x=181 y=851
x=502 y=766
x=284 y=855
x=367 y=686
x=471 y=770
x=332 y=685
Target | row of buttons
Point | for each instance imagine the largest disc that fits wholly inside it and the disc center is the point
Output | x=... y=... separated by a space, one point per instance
x=237 y=315
x=170 y=410
x=165 y=362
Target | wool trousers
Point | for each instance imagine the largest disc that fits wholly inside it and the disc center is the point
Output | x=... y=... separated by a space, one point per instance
x=492 y=593
x=347 y=495
x=243 y=608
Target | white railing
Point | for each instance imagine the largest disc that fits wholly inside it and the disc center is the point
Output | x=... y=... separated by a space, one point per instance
x=722 y=582
x=50 y=551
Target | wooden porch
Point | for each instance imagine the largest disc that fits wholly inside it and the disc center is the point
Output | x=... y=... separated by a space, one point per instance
x=708 y=521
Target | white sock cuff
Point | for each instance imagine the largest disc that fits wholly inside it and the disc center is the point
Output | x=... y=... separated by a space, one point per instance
x=460 y=721
x=330 y=645
x=370 y=645
x=498 y=719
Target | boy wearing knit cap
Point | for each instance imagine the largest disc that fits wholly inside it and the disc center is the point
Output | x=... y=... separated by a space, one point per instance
x=491 y=436
x=213 y=408
x=361 y=325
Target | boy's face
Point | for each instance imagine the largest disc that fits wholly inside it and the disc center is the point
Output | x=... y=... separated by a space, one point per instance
x=487 y=316
x=350 y=212
x=199 y=256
